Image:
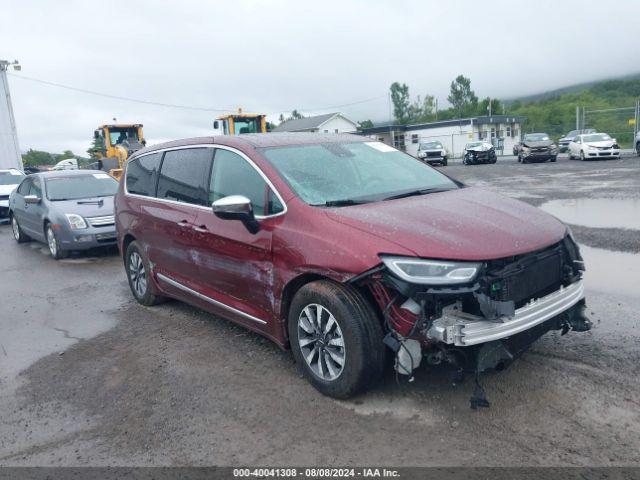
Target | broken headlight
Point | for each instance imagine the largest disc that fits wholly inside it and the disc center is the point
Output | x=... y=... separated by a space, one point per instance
x=431 y=272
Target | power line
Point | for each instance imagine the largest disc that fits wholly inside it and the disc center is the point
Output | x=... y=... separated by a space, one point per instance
x=178 y=106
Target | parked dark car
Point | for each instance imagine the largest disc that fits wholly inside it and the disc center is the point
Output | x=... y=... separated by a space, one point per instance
x=433 y=153
x=346 y=250
x=68 y=210
x=563 y=142
x=537 y=147
x=479 y=152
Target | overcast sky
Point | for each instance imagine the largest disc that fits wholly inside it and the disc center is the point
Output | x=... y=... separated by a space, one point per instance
x=279 y=55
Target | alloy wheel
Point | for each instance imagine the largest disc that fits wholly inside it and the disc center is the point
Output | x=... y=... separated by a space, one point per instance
x=321 y=342
x=16 y=228
x=137 y=274
x=51 y=240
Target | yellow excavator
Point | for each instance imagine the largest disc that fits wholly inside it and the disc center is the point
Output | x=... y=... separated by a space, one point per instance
x=239 y=123
x=113 y=144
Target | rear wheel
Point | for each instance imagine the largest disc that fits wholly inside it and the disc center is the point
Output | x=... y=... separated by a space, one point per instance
x=336 y=338
x=138 y=275
x=638 y=149
x=56 y=251
x=18 y=234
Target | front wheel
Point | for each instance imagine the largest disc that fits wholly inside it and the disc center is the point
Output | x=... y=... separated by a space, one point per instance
x=336 y=338
x=56 y=251
x=18 y=234
x=553 y=159
x=582 y=155
x=638 y=149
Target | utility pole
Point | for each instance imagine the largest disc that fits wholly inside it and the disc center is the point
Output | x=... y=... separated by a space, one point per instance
x=577 y=118
x=10 y=156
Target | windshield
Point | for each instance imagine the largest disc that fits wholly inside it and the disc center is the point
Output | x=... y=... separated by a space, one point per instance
x=536 y=137
x=81 y=186
x=11 y=178
x=245 y=125
x=572 y=133
x=119 y=135
x=474 y=144
x=597 y=137
x=361 y=172
x=430 y=145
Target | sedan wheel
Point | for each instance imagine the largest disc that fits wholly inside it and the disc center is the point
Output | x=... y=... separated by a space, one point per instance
x=321 y=342
x=582 y=156
x=17 y=231
x=56 y=252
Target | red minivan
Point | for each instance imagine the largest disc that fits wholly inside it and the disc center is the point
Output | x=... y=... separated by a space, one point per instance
x=348 y=251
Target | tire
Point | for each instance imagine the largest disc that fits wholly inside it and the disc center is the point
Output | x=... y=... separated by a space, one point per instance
x=570 y=156
x=638 y=149
x=525 y=160
x=582 y=156
x=445 y=162
x=553 y=159
x=137 y=268
x=18 y=234
x=56 y=251
x=346 y=319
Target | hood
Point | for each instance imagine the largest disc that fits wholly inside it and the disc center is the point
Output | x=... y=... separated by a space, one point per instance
x=462 y=224
x=480 y=148
x=431 y=149
x=541 y=143
x=85 y=210
x=7 y=189
x=603 y=143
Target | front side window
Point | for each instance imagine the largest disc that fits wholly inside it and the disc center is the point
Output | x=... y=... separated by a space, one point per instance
x=36 y=188
x=142 y=174
x=75 y=187
x=233 y=175
x=344 y=173
x=184 y=174
x=24 y=187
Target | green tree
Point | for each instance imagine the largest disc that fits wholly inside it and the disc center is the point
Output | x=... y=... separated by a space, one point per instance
x=422 y=110
x=483 y=107
x=400 y=100
x=462 y=98
x=365 y=124
x=34 y=158
x=97 y=147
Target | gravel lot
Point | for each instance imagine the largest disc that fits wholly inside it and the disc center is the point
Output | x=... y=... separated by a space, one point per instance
x=88 y=377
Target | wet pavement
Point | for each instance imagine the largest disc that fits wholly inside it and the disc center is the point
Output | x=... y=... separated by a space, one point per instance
x=89 y=377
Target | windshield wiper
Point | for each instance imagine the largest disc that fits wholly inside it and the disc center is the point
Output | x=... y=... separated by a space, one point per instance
x=340 y=203
x=414 y=193
x=90 y=202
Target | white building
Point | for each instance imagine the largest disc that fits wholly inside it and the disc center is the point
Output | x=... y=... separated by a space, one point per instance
x=329 y=123
x=502 y=130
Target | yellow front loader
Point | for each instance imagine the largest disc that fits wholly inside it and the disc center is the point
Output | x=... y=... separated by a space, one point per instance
x=113 y=144
x=239 y=123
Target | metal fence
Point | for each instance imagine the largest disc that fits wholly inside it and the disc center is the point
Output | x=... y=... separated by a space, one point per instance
x=621 y=123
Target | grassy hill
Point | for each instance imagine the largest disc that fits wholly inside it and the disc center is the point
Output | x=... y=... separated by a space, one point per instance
x=555 y=112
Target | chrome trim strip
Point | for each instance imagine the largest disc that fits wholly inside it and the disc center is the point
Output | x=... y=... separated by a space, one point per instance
x=462 y=329
x=199 y=295
x=209 y=145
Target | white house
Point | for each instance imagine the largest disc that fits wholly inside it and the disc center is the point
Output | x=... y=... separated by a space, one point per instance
x=329 y=123
x=502 y=130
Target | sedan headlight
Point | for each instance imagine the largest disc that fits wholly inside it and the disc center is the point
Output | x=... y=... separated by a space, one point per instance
x=76 y=221
x=431 y=272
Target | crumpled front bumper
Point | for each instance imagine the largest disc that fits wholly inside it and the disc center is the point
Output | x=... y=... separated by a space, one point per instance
x=462 y=329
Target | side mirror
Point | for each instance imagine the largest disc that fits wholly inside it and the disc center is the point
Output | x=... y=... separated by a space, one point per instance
x=31 y=199
x=236 y=207
x=216 y=125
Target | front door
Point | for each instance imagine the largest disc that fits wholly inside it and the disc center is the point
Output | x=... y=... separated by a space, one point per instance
x=236 y=266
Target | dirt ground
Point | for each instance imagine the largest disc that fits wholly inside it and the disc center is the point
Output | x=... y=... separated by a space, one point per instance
x=89 y=377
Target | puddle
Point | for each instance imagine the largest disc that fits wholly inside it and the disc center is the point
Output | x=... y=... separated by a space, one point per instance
x=617 y=273
x=597 y=212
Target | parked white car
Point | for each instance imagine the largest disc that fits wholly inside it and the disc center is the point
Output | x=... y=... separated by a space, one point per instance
x=638 y=144
x=9 y=181
x=594 y=146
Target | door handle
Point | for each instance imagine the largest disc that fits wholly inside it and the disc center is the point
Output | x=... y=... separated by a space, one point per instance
x=201 y=229
x=183 y=224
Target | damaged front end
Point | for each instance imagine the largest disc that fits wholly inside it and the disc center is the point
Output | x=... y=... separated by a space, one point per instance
x=477 y=315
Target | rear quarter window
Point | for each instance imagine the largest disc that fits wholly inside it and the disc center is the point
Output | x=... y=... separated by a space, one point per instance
x=142 y=174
